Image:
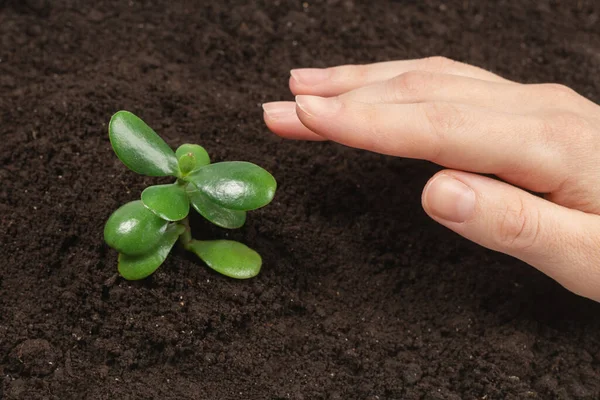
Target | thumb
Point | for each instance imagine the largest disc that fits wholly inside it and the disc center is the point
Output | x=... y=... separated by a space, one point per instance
x=560 y=242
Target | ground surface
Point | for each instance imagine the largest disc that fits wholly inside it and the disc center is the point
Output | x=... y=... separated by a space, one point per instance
x=361 y=295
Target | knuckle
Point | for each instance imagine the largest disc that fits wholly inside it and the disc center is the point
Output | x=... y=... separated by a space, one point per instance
x=444 y=117
x=409 y=84
x=557 y=90
x=356 y=73
x=519 y=227
x=549 y=130
x=439 y=63
x=564 y=139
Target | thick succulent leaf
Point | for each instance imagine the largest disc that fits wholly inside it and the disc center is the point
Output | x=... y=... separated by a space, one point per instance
x=142 y=266
x=230 y=219
x=236 y=185
x=170 y=202
x=139 y=147
x=199 y=153
x=227 y=257
x=187 y=163
x=133 y=229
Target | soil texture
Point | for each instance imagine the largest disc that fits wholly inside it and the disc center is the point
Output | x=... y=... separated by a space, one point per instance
x=361 y=295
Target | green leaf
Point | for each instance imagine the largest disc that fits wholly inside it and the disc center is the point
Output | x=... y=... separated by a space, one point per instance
x=236 y=185
x=170 y=202
x=198 y=152
x=230 y=219
x=187 y=163
x=133 y=229
x=227 y=257
x=139 y=147
x=141 y=266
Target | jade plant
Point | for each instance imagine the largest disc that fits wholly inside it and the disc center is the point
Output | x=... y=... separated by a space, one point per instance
x=144 y=231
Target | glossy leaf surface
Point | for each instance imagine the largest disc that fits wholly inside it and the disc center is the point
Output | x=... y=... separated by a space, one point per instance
x=187 y=163
x=133 y=229
x=235 y=185
x=230 y=219
x=139 y=147
x=199 y=153
x=142 y=266
x=227 y=257
x=169 y=202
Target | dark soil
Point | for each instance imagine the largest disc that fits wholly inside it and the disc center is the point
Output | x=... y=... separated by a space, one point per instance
x=361 y=295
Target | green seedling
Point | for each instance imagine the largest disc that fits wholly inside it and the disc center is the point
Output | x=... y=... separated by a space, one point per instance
x=144 y=231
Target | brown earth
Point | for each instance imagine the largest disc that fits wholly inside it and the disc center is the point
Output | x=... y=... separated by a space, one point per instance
x=361 y=295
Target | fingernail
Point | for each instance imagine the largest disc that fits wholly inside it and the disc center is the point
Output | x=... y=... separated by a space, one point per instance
x=310 y=76
x=316 y=106
x=449 y=199
x=279 y=109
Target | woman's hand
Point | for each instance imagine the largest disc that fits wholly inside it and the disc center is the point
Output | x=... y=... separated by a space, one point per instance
x=544 y=138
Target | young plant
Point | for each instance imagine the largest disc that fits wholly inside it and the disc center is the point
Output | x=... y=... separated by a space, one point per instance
x=144 y=231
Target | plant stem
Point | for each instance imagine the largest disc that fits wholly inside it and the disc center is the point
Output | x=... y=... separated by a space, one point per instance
x=186 y=236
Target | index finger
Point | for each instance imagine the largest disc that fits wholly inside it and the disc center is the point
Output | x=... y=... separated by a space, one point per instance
x=458 y=136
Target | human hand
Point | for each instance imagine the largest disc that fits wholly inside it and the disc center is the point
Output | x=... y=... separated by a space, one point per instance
x=544 y=138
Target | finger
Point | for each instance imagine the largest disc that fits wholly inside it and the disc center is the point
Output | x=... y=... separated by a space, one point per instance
x=281 y=119
x=337 y=80
x=422 y=86
x=456 y=136
x=560 y=242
